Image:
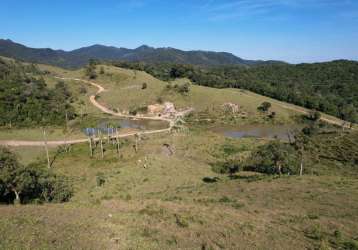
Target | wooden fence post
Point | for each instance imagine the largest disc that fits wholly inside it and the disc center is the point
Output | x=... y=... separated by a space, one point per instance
x=46 y=148
x=101 y=141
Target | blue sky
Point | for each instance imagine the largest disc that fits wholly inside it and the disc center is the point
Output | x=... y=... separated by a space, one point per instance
x=290 y=30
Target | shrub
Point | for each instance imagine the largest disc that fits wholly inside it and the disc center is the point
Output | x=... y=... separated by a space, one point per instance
x=210 y=179
x=350 y=245
x=160 y=100
x=181 y=89
x=184 y=89
x=56 y=189
x=229 y=149
x=82 y=90
x=180 y=221
x=314 y=115
x=264 y=107
x=229 y=167
x=144 y=85
x=310 y=130
x=274 y=158
x=100 y=179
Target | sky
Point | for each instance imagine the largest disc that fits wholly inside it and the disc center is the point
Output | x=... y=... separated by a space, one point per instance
x=290 y=30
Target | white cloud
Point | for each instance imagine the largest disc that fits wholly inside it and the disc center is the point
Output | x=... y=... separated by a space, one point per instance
x=236 y=9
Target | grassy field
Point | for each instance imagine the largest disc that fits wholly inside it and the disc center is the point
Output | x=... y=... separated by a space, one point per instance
x=153 y=200
x=125 y=92
x=36 y=134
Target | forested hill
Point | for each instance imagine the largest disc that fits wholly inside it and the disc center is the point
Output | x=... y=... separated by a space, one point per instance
x=80 y=57
x=330 y=87
x=25 y=99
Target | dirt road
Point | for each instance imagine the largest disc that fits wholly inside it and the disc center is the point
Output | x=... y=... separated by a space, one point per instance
x=17 y=143
x=171 y=122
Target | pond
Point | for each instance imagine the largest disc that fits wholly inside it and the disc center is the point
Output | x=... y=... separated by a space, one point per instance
x=110 y=126
x=281 y=132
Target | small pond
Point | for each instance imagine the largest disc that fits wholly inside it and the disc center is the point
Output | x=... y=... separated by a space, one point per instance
x=282 y=132
x=110 y=126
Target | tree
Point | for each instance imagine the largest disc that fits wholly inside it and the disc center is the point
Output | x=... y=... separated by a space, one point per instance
x=301 y=143
x=184 y=89
x=144 y=85
x=21 y=184
x=274 y=158
x=8 y=166
x=90 y=69
x=264 y=107
x=314 y=115
x=350 y=114
x=25 y=99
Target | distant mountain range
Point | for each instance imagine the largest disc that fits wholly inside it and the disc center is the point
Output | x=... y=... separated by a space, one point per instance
x=79 y=57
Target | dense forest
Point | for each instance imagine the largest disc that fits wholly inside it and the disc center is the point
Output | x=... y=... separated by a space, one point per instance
x=330 y=87
x=25 y=100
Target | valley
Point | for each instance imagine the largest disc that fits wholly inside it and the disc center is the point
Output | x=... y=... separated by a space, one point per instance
x=179 y=125
x=169 y=187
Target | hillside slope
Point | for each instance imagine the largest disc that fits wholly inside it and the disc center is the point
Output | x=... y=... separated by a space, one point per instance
x=330 y=87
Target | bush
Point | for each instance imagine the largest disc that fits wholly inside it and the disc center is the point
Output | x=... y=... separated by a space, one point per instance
x=160 y=100
x=83 y=90
x=274 y=158
x=90 y=70
x=144 y=85
x=100 y=179
x=310 y=130
x=264 y=107
x=229 y=167
x=181 y=89
x=350 y=245
x=314 y=115
x=210 y=179
x=56 y=189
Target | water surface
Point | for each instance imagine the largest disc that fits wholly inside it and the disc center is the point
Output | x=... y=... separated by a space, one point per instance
x=281 y=132
x=111 y=126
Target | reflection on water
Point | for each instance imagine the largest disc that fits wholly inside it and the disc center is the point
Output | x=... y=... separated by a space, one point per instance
x=111 y=126
x=282 y=132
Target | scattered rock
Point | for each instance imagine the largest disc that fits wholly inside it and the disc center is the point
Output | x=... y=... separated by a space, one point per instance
x=164 y=109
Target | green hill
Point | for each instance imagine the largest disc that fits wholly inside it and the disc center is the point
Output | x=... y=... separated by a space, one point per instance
x=330 y=87
x=192 y=188
x=80 y=57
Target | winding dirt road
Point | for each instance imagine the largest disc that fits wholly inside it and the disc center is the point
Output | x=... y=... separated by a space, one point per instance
x=17 y=143
x=171 y=122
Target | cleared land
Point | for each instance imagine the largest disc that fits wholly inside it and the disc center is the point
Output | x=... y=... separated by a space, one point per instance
x=152 y=199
